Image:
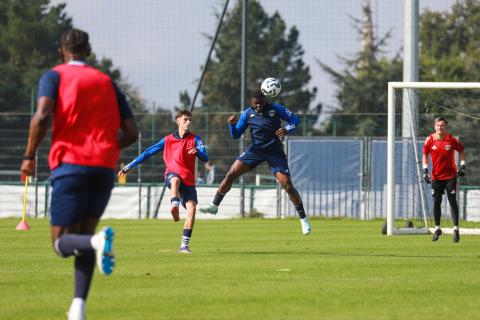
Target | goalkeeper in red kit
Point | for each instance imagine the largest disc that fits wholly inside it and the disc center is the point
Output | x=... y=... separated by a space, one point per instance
x=441 y=147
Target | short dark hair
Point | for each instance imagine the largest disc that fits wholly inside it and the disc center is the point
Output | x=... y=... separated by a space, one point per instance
x=440 y=118
x=76 y=41
x=257 y=94
x=182 y=113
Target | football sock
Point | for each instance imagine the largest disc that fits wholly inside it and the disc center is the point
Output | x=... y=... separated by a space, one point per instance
x=456 y=228
x=78 y=305
x=175 y=201
x=437 y=211
x=73 y=244
x=84 y=266
x=454 y=205
x=437 y=227
x=218 y=198
x=300 y=211
x=187 y=234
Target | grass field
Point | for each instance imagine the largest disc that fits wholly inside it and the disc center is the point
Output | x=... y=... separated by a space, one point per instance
x=248 y=269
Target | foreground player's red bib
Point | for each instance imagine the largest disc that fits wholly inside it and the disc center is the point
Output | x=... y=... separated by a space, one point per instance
x=442 y=153
x=178 y=160
x=86 y=119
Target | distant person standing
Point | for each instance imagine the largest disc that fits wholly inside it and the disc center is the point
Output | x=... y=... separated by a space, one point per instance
x=210 y=172
x=441 y=147
x=91 y=122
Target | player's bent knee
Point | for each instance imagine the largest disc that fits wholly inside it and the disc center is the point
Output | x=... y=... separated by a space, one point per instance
x=56 y=249
x=231 y=176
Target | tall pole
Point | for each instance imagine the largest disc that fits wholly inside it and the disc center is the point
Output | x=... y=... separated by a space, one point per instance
x=410 y=67
x=242 y=96
x=32 y=108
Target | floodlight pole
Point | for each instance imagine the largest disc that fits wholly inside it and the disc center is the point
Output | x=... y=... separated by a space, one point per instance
x=242 y=96
x=207 y=61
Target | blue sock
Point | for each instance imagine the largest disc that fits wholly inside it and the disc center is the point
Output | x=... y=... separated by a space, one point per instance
x=73 y=244
x=84 y=267
x=300 y=211
x=187 y=234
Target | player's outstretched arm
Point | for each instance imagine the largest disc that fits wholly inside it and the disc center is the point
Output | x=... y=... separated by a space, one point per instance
x=150 y=151
x=237 y=126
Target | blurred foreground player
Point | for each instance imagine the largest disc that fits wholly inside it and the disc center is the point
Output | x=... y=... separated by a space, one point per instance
x=91 y=122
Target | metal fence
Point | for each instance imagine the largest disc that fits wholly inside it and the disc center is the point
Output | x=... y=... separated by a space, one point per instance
x=336 y=176
x=211 y=127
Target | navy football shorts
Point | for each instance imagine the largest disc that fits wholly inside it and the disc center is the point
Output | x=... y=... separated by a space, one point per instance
x=187 y=193
x=276 y=159
x=77 y=196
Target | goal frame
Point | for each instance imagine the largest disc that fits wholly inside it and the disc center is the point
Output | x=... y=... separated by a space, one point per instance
x=391 y=145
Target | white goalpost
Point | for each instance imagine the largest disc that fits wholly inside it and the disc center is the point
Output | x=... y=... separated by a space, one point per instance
x=392 y=189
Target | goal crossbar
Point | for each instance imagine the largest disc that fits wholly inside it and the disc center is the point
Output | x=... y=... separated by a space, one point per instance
x=391 y=136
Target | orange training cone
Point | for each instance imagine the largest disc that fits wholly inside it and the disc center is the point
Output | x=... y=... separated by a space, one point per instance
x=23 y=225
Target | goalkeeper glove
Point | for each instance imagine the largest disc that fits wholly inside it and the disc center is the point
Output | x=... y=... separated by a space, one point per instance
x=426 y=176
x=461 y=171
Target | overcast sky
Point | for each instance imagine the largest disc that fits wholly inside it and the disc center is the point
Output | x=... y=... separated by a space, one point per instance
x=160 y=45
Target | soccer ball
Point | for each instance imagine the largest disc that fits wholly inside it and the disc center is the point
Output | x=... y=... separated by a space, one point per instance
x=271 y=87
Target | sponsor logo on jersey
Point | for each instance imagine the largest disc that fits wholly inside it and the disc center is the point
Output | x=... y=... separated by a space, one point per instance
x=434 y=148
x=447 y=147
x=271 y=113
x=288 y=112
x=252 y=115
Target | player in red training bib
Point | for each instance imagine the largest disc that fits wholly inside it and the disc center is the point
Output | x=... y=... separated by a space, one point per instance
x=441 y=147
x=181 y=148
x=88 y=112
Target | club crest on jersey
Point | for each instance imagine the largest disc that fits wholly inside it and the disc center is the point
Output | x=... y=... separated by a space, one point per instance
x=447 y=147
x=271 y=113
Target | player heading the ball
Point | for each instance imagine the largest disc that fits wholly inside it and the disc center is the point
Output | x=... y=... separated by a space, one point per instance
x=264 y=120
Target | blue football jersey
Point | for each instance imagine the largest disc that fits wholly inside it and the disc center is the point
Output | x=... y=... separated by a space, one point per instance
x=264 y=124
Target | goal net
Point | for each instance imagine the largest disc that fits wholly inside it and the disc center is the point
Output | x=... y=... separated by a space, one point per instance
x=412 y=107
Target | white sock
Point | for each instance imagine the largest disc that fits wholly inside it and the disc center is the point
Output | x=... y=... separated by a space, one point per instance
x=437 y=227
x=185 y=241
x=95 y=242
x=76 y=308
x=456 y=228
